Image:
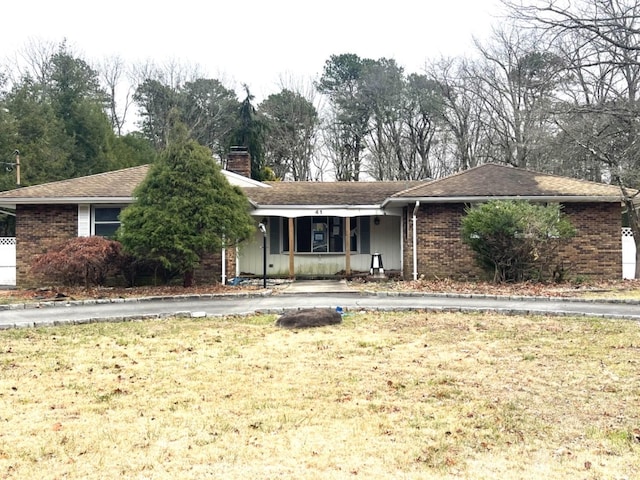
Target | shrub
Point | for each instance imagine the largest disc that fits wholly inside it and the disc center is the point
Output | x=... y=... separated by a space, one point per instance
x=515 y=240
x=80 y=261
x=144 y=271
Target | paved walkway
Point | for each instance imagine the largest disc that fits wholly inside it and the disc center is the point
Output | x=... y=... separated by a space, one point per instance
x=317 y=286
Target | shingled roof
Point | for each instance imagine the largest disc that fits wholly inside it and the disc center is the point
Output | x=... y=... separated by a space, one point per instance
x=483 y=182
x=118 y=184
x=326 y=193
x=502 y=181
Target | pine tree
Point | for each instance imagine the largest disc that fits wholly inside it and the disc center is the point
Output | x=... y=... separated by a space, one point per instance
x=184 y=209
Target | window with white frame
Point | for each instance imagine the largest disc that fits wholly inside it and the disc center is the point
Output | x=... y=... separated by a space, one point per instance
x=105 y=220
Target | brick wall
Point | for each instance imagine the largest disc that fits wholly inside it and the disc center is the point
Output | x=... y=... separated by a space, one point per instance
x=595 y=251
x=441 y=253
x=38 y=227
x=210 y=269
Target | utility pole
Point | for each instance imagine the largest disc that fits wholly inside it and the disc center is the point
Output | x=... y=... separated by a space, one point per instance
x=10 y=165
x=17 y=154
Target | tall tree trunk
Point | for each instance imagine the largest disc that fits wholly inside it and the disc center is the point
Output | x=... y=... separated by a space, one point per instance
x=187 y=280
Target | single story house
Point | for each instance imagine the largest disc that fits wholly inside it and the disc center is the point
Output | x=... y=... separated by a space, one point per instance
x=318 y=229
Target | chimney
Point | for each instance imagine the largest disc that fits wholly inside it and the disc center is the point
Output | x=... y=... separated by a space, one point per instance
x=239 y=161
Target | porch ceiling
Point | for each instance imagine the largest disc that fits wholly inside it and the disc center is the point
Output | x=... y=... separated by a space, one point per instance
x=325 y=210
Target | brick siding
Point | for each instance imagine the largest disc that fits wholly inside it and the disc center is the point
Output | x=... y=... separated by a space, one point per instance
x=210 y=269
x=38 y=227
x=441 y=252
x=595 y=251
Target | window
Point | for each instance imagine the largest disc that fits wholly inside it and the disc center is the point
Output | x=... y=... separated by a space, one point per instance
x=326 y=235
x=105 y=221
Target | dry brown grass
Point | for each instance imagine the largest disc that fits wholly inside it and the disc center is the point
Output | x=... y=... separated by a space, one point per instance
x=416 y=395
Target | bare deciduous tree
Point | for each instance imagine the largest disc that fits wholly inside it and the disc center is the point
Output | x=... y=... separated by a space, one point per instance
x=116 y=81
x=602 y=118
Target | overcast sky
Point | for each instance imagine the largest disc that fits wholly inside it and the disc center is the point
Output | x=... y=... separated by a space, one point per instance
x=257 y=42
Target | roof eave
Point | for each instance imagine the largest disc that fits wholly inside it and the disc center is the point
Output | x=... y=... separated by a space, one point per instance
x=531 y=198
x=64 y=200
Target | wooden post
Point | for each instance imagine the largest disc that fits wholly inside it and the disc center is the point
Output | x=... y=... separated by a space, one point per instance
x=347 y=241
x=292 y=271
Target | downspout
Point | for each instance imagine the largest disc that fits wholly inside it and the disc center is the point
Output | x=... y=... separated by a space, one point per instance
x=415 y=241
x=403 y=229
x=224 y=266
x=224 y=262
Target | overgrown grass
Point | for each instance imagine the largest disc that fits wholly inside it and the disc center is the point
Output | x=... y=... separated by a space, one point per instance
x=416 y=395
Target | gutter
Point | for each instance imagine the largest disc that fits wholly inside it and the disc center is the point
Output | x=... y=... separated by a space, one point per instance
x=64 y=200
x=415 y=241
x=531 y=198
x=224 y=266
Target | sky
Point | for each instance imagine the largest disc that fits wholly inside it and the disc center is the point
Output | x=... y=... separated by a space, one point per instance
x=263 y=44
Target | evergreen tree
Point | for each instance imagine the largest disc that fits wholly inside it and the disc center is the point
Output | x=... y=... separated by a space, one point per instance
x=79 y=103
x=184 y=209
x=250 y=133
x=56 y=119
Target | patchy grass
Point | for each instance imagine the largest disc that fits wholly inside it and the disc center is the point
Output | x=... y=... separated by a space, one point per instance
x=414 y=396
x=614 y=294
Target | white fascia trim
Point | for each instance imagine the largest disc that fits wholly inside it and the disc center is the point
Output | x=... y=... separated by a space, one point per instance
x=531 y=198
x=324 y=210
x=242 y=181
x=67 y=200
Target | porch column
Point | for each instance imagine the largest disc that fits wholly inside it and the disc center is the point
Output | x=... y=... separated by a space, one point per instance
x=347 y=241
x=292 y=270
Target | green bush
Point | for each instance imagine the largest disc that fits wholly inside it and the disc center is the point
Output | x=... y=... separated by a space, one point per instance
x=515 y=240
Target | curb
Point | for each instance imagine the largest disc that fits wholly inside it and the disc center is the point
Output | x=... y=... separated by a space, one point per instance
x=266 y=293
x=280 y=311
x=100 y=301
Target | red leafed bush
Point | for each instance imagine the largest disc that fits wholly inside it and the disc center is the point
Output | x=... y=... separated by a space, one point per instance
x=84 y=261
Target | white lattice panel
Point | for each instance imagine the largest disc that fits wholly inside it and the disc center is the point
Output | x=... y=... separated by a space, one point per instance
x=7 y=261
x=628 y=254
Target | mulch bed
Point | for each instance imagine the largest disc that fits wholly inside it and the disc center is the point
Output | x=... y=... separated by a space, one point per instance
x=426 y=286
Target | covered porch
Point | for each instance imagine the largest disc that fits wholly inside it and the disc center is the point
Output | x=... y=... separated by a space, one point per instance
x=322 y=242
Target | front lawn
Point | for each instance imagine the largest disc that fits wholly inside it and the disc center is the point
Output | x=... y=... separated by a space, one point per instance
x=416 y=395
